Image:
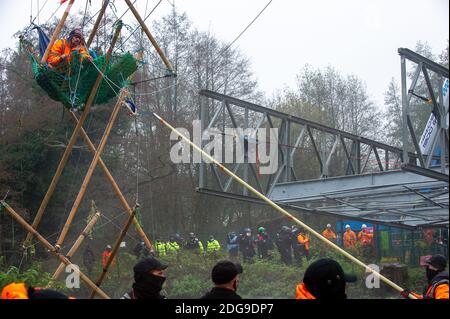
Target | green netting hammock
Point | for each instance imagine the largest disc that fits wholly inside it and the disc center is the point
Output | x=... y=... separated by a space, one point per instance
x=72 y=84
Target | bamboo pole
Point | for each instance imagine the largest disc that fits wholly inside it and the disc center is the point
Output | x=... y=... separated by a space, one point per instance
x=91 y=170
x=114 y=251
x=97 y=23
x=116 y=188
x=149 y=35
x=52 y=249
x=73 y=139
x=283 y=211
x=57 y=32
x=77 y=244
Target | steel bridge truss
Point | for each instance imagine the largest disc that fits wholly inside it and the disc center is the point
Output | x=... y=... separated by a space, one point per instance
x=438 y=132
x=354 y=177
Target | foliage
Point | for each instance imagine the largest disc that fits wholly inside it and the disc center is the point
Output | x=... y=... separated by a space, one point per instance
x=32 y=277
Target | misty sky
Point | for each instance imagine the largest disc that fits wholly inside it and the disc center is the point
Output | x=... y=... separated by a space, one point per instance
x=358 y=37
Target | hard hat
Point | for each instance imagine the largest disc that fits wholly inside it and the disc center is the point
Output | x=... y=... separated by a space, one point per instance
x=261 y=229
x=108 y=247
x=191 y=234
x=347 y=226
x=364 y=226
x=328 y=225
x=247 y=230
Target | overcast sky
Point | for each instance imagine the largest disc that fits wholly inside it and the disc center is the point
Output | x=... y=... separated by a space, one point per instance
x=358 y=37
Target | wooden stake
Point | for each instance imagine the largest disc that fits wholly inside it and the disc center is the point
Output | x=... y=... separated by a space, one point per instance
x=116 y=188
x=149 y=35
x=114 y=251
x=283 y=211
x=97 y=23
x=77 y=244
x=52 y=249
x=73 y=139
x=57 y=32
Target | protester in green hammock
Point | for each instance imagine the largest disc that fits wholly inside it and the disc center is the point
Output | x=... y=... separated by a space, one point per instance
x=63 y=49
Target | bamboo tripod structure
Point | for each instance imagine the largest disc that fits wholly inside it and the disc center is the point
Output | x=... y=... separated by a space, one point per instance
x=91 y=169
x=72 y=141
x=52 y=249
x=79 y=130
x=281 y=210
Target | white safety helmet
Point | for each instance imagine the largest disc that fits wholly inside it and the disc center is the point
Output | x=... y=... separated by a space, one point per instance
x=328 y=225
x=364 y=226
x=347 y=226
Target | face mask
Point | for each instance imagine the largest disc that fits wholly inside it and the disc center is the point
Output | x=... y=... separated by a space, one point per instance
x=147 y=285
x=431 y=274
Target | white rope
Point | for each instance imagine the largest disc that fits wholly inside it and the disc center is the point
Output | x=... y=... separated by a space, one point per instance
x=53 y=14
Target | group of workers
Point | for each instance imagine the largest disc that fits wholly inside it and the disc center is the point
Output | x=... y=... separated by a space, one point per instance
x=293 y=243
x=364 y=238
x=323 y=279
x=176 y=243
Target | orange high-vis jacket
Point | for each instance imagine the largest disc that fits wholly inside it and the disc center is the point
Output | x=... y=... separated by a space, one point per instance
x=438 y=290
x=303 y=240
x=349 y=239
x=15 y=291
x=62 y=46
x=365 y=238
x=329 y=234
x=302 y=293
x=105 y=257
x=428 y=235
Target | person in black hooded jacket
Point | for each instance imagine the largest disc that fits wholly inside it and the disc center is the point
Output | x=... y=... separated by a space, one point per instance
x=149 y=278
x=226 y=281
